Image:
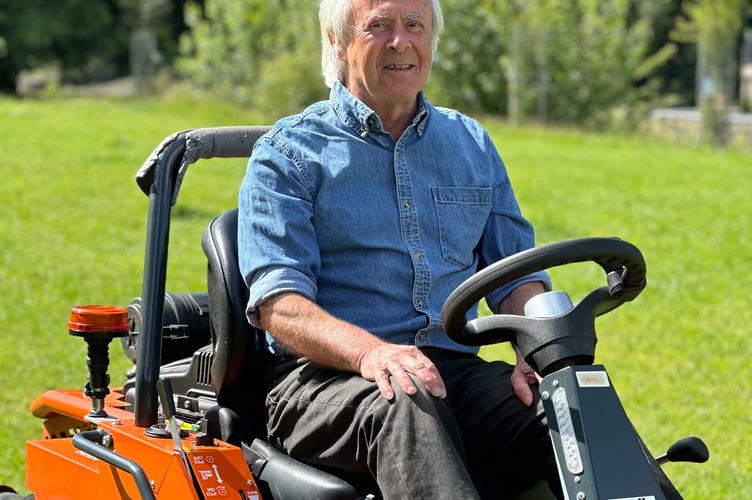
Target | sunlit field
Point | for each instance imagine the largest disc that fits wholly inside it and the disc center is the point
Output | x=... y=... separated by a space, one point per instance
x=73 y=224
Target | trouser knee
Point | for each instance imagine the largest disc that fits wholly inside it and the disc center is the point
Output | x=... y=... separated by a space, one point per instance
x=421 y=413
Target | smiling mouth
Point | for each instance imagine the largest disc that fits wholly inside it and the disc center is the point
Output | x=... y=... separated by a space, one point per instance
x=400 y=67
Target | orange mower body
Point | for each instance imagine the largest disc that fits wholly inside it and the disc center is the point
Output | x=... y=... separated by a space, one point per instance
x=56 y=469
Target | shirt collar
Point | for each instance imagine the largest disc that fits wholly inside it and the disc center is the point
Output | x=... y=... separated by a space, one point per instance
x=363 y=119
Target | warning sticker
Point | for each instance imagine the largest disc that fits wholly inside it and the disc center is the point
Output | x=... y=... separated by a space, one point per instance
x=593 y=379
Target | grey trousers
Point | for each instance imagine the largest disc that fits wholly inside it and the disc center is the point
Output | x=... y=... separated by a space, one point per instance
x=479 y=442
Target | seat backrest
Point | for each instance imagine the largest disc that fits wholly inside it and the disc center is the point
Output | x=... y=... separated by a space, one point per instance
x=238 y=373
x=240 y=359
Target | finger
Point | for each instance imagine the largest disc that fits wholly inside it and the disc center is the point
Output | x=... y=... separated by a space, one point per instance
x=404 y=380
x=384 y=385
x=522 y=388
x=431 y=379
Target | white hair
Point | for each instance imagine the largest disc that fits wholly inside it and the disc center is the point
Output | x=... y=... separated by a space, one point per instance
x=334 y=17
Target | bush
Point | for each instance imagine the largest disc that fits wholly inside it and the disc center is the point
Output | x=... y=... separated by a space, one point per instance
x=253 y=51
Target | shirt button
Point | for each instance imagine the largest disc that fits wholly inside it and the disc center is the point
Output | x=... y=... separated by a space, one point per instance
x=406 y=205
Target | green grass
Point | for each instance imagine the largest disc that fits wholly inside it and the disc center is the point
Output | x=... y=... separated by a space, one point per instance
x=679 y=354
x=73 y=224
x=73 y=232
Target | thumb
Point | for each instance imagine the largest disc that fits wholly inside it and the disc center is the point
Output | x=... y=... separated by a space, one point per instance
x=522 y=388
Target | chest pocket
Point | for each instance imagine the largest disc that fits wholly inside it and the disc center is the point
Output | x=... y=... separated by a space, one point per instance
x=462 y=213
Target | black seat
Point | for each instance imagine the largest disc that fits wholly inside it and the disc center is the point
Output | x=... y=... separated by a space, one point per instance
x=238 y=374
x=239 y=363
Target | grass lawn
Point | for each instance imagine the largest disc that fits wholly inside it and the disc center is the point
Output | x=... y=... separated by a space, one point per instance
x=73 y=224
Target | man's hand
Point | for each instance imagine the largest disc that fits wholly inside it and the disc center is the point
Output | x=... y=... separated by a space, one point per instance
x=310 y=331
x=398 y=362
x=523 y=376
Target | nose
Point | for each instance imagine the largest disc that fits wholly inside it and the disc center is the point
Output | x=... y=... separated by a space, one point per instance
x=400 y=40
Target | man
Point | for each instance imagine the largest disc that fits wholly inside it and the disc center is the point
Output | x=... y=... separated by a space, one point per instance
x=357 y=219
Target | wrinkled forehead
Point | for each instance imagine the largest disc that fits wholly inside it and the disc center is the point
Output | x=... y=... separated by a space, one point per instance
x=409 y=9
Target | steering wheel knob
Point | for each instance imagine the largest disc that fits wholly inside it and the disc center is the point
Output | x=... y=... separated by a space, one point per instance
x=548 y=305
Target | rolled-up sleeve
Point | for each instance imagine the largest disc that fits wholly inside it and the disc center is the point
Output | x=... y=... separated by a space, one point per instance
x=277 y=247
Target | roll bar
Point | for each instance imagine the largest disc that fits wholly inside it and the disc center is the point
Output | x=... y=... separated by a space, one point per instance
x=160 y=177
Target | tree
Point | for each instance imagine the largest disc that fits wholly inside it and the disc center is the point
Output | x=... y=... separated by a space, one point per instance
x=564 y=60
x=591 y=58
x=677 y=75
x=261 y=52
x=466 y=71
x=715 y=27
x=143 y=48
x=81 y=35
x=86 y=39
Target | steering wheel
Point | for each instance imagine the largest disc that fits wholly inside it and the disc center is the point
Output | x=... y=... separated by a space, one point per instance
x=548 y=343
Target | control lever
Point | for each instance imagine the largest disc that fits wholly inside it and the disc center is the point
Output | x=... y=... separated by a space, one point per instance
x=164 y=390
x=166 y=397
x=689 y=449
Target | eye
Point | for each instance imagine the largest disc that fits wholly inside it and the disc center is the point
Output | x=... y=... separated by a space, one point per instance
x=415 y=24
x=378 y=25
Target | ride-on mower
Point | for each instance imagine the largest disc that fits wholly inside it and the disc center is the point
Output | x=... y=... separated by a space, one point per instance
x=188 y=421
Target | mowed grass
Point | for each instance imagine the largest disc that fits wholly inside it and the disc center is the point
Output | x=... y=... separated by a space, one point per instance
x=73 y=232
x=73 y=224
x=679 y=354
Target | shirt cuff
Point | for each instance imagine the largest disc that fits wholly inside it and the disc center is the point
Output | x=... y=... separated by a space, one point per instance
x=494 y=298
x=274 y=281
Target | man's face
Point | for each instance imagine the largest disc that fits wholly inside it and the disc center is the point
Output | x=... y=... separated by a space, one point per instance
x=389 y=57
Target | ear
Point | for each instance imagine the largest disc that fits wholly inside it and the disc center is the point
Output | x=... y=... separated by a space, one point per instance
x=341 y=55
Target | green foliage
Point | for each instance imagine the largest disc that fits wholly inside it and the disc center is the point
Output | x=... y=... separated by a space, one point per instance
x=586 y=59
x=237 y=48
x=289 y=83
x=87 y=39
x=551 y=59
x=82 y=35
x=716 y=24
x=715 y=27
x=466 y=71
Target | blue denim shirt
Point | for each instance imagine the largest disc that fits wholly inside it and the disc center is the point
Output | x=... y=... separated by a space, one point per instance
x=376 y=232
